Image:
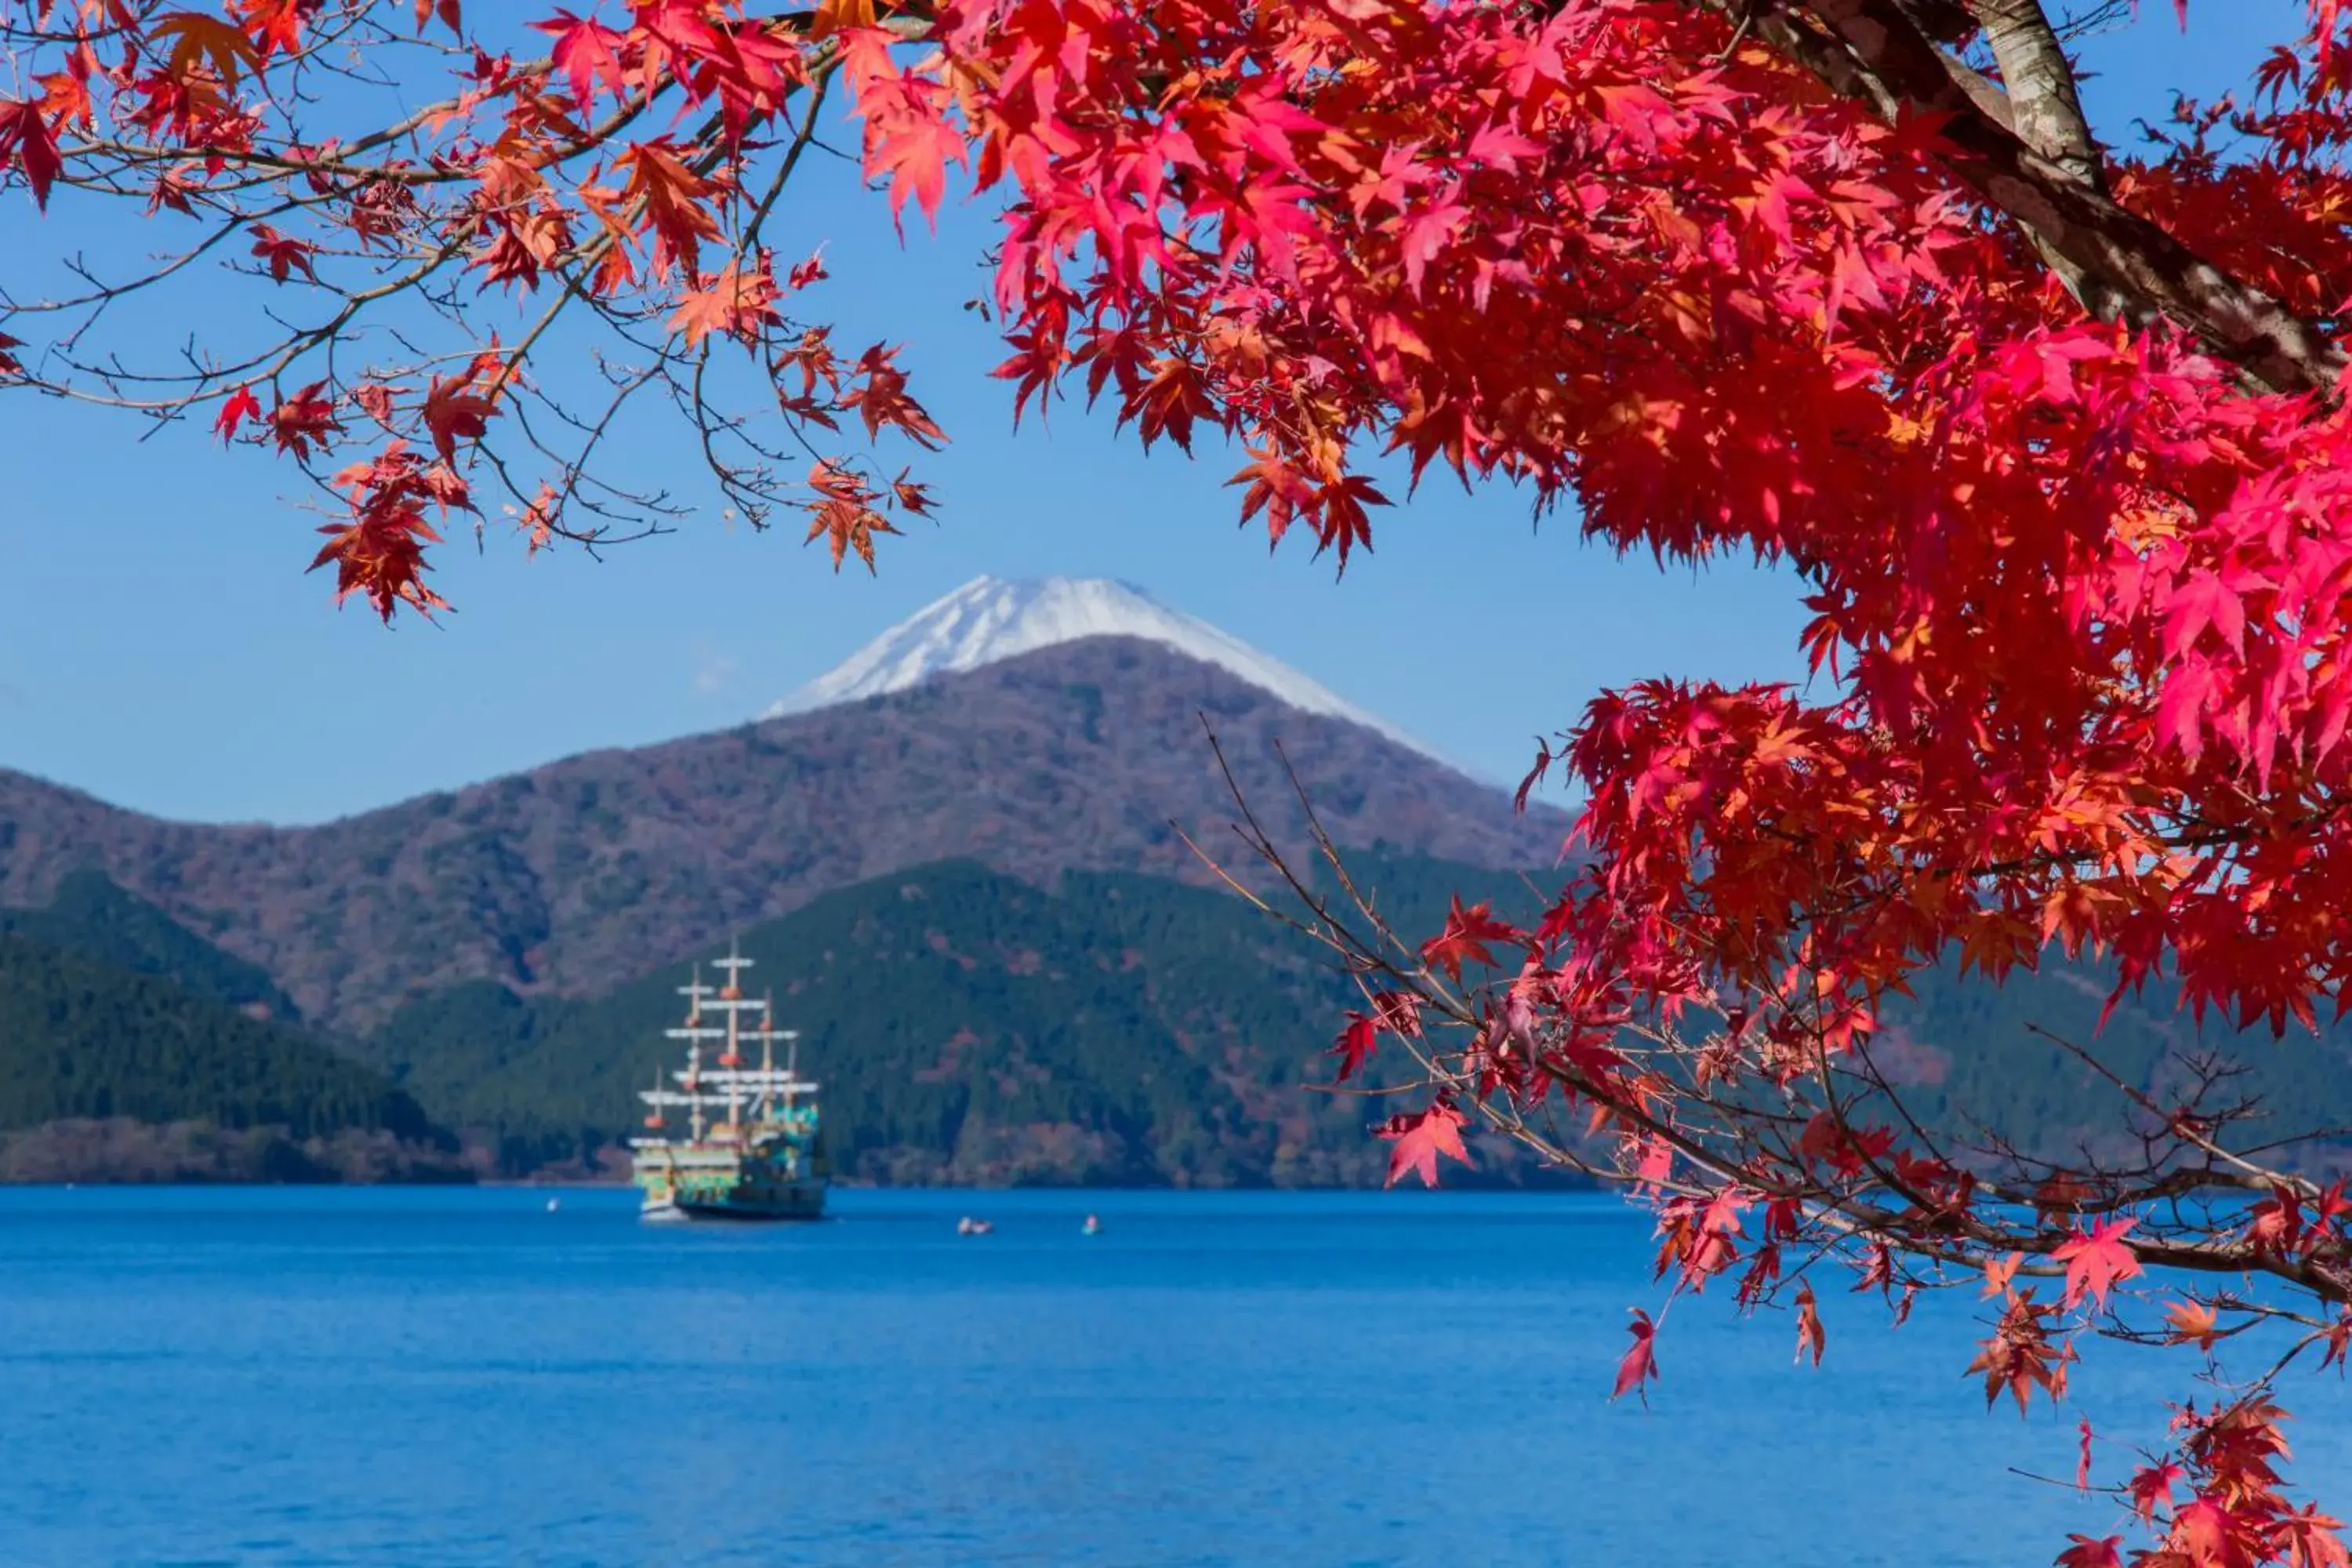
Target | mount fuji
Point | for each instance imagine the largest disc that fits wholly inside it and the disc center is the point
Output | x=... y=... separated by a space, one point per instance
x=1038 y=729
x=993 y=618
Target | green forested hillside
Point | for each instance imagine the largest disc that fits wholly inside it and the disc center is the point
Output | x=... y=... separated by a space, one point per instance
x=132 y=1049
x=969 y=1027
x=90 y=917
x=79 y=1039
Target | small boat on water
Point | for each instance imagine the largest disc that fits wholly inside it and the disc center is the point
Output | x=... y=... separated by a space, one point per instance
x=751 y=1150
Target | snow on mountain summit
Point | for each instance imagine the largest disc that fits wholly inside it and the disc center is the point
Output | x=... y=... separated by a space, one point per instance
x=992 y=618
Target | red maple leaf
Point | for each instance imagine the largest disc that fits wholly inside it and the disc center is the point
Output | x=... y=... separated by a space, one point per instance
x=808 y=272
x=283 y=253
x=1465 y=938
x=1640 y=1360
x=1999 y=1272
x=237 y=409
x=1416 y=1141
x=1398 y=1012
x=2019 y=1357
x=2208 y=1533
x=735 y=304
x=275 y=26
x=1535 y=776
x=2276 y=1223
x=2097 y=1262
x=375 y=400
x=909 y=141
x=1811 y=1335
x=2104 y=1552
x=26 y=143
x=381 y=556
x=2192 y=1324
x=669 y=198
x=2339 y=1340
x=587 y=52
x=2151 y=1488
x=456 y=410
x=304 y=420
x=913 y=499
x=1354 y=1045
x=2312 y=1539
x=842 y=513
x=65 y=95
x=202 y=45
x=2331 y=1208
x=880 y=398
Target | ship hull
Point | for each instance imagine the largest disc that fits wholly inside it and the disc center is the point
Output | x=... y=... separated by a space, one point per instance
x=801 y=1202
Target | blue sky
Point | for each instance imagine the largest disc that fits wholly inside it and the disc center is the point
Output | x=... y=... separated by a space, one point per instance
x=160 y=647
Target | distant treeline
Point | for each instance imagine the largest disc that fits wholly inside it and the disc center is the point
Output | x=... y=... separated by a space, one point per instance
x=1120 y=1028
x=967 y=1028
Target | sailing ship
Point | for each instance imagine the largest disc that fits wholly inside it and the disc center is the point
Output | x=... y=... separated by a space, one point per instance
x=752 y=1149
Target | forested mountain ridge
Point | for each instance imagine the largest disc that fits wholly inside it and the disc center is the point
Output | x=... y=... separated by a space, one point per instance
x=969 y=1028
x=90 y=917
x=1077 y=756
x=107 y=1072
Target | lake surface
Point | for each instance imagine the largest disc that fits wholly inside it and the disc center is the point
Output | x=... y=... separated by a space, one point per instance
x=428 y=1377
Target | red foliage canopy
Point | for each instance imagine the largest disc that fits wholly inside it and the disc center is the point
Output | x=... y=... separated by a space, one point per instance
x=2052 y=436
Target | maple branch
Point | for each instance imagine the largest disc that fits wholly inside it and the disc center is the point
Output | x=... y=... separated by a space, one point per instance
x=2047 y=112
x=1919 y=1223
x=2123 y=264
x=2182 y=1127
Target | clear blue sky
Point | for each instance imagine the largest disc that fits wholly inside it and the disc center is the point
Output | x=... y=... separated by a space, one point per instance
x=161 y=647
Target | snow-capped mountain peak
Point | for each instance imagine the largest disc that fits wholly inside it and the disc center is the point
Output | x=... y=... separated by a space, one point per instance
x=992 y=618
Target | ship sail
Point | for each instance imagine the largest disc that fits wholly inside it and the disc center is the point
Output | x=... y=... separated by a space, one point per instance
x=751 y=1149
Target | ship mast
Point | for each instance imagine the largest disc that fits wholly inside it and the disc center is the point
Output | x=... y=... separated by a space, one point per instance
x=730 y=1085
x=767 y=1056
x=694 y=1034
x=732 y=994
x=694 y=1058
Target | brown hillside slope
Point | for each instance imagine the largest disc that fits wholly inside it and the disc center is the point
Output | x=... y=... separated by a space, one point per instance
x=602 y=866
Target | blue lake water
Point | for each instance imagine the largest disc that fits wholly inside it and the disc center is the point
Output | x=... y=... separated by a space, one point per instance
x=418 y=1378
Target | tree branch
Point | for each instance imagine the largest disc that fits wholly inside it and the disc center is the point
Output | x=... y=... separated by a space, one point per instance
x=2127 y=266
x=2045 y=109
